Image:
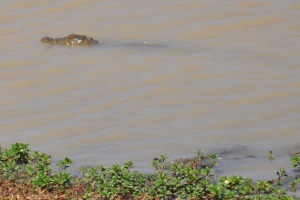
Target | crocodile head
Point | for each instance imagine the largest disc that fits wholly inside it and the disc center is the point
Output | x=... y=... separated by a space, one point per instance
x=48 y=40
x=71 y=40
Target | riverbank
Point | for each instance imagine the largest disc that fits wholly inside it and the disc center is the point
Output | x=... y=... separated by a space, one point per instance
x=28 y=174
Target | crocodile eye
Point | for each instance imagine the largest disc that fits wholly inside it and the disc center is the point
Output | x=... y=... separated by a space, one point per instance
x=71 y=36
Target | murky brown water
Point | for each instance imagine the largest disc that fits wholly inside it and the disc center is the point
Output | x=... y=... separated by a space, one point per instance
x=218 y=74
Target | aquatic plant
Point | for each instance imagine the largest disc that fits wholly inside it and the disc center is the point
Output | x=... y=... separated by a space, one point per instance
x=28 y=174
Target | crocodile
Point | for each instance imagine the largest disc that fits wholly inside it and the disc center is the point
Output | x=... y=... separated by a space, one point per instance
x=71 y=40
x=82 y=40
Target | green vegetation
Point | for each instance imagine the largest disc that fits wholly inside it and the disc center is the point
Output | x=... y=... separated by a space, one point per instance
x=28 y=174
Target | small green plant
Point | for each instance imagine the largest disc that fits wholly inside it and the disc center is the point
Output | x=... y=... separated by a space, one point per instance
x=281 y=174
x=295 y=159
x=13 y=161
x=160 y=163
x=62 y=179
x=271 y=157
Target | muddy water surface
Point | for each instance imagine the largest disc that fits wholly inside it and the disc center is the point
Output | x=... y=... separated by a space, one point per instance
x=215 y=75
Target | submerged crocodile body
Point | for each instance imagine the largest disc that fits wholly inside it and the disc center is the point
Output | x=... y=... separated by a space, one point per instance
x=82 y=40
x=71 y=40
